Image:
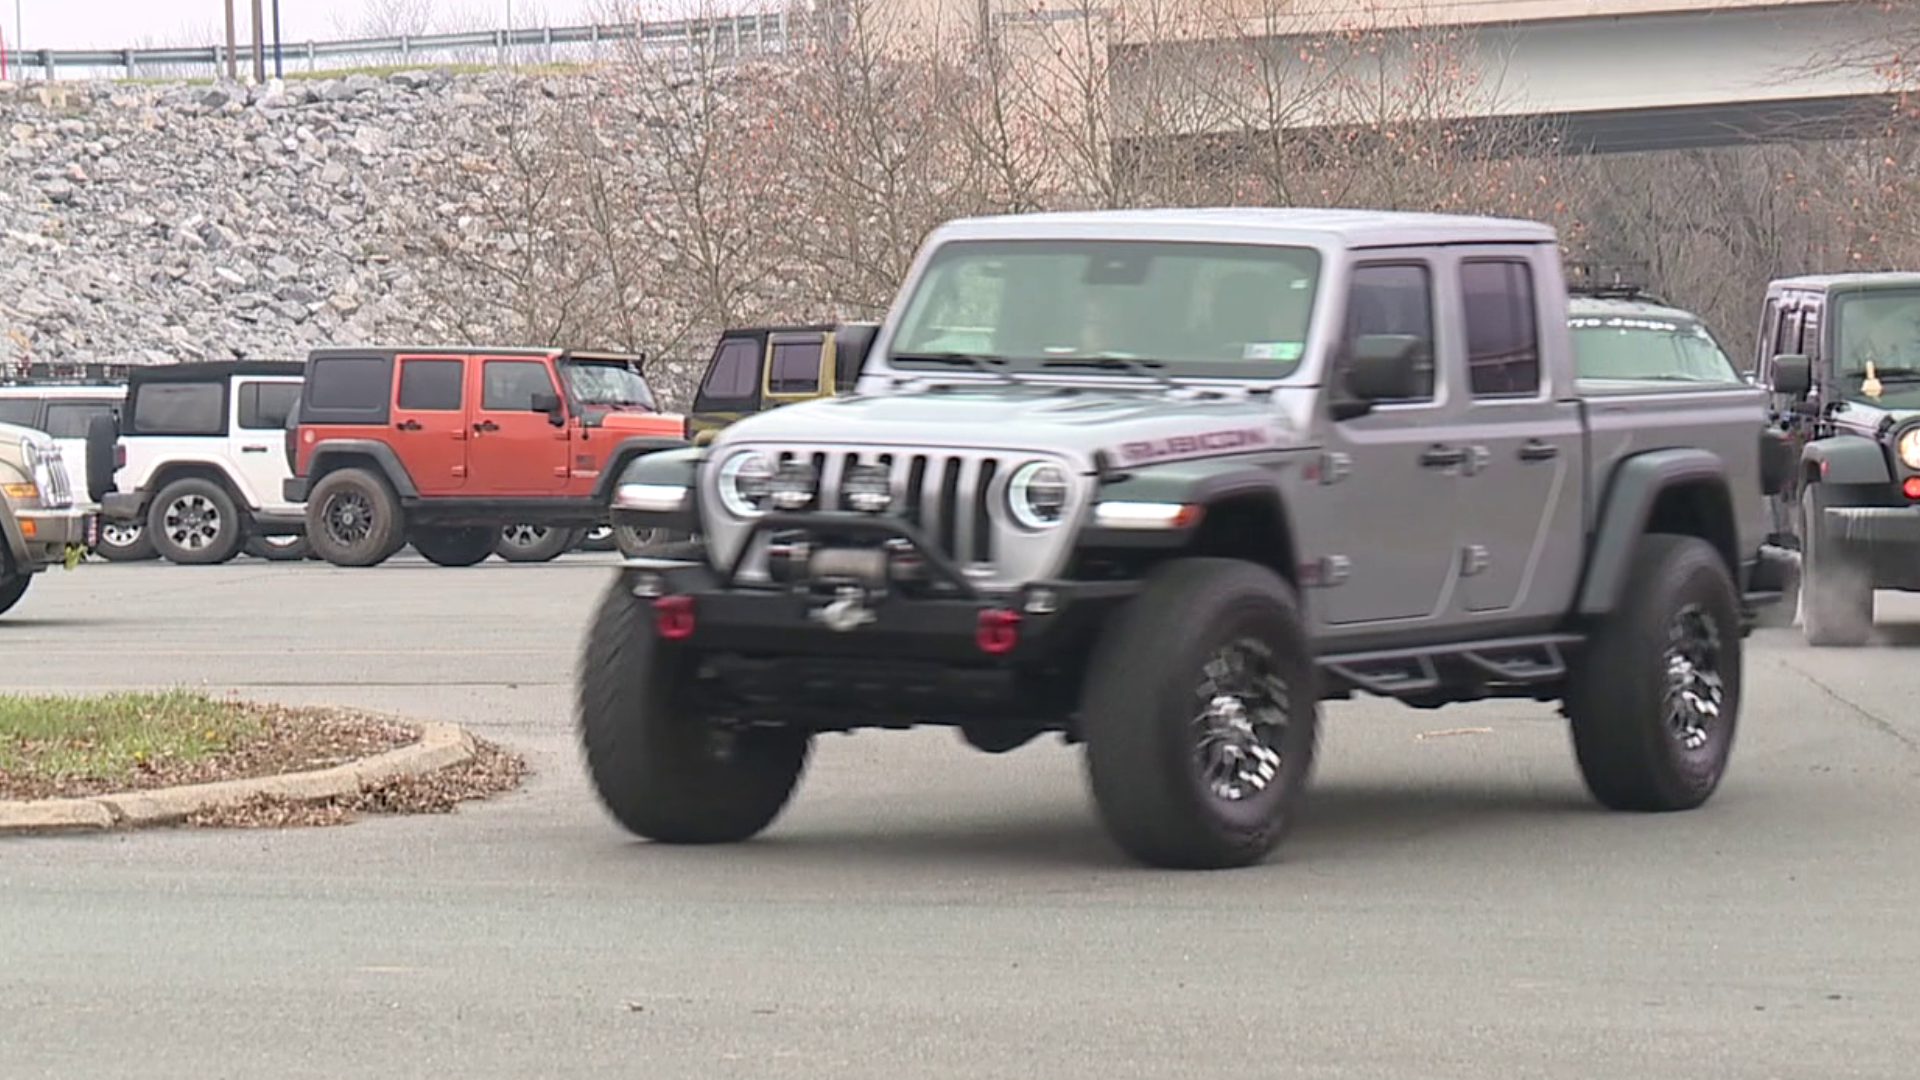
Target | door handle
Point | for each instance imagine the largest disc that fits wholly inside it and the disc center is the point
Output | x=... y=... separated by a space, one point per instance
x=253 y=449
x=408 y=424
x=1441 y=457
x=1535 y=450
x=486 y=425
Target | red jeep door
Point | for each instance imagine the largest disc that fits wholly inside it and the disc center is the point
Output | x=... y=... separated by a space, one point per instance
x=514 y=450
x=430 y=430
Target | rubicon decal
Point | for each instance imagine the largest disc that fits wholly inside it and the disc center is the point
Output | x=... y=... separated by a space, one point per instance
x=1179 y=446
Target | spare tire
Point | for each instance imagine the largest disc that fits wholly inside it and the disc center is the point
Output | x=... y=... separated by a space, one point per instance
x=103 y=435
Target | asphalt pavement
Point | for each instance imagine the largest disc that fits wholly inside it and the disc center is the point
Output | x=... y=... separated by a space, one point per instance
x=1452 y=906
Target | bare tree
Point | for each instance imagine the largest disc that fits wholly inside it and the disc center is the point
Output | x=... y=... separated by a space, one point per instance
x=704 y=131
x=387 y=18
x=878 y=152
x=505 y=241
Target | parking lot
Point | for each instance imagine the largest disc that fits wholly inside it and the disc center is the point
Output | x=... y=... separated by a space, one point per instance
x=1452 y=906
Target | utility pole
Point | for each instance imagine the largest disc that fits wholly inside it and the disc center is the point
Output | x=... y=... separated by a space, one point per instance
x=233 y=70
x=276 y=40
x=259 y=45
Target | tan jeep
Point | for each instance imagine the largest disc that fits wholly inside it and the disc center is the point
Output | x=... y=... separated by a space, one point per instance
x=40 y=526
x=757 y=368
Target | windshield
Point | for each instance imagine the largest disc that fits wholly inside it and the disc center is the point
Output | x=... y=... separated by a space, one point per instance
x=1881 y=328
x=1639 y=347
x=1198 y=309
x=607 y=384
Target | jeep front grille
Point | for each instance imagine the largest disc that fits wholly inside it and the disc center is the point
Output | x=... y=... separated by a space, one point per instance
x=948 y=496
x=62 y=494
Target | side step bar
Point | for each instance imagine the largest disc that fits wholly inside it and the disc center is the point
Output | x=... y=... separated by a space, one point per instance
x=1525 y=661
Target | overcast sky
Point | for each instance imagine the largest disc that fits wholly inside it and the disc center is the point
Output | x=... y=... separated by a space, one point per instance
x=110 y=24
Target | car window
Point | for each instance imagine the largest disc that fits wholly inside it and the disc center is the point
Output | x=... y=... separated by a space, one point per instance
x=734 y=374
x=511 y=384
x=70 y=419
x=187 y=408
x=350 y=383
x=24 y=411
x=431 y=385
x=264 y=406
x=1226 y=309
x=795 y=368
x=1646 y=347
x=1394 y=298
x=1503 y=335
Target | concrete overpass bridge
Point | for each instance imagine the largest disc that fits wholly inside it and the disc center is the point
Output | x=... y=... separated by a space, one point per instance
x=1624 y=75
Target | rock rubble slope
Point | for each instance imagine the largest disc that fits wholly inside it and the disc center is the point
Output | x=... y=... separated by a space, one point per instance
x=160 y=223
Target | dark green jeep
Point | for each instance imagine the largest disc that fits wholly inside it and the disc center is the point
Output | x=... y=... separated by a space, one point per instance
x=1840 y=354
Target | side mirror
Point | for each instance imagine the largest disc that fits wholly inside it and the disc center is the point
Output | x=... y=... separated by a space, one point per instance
x=1792 y=375
x=548 y=402
x=1383 y=367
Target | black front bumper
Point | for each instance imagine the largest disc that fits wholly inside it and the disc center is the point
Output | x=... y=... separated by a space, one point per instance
x=774 y=621
x=771 y=620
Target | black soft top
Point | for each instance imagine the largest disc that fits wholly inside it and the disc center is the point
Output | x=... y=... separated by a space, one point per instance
x=210 y=371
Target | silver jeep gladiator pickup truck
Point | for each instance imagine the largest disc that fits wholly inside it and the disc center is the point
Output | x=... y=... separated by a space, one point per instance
x=1163 y=480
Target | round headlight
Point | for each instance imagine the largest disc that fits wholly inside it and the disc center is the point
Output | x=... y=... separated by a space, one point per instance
x=745 y=480
x=1909 y=447
x=1037 y=494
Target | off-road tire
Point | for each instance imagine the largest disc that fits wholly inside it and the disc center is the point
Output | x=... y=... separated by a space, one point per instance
x=650 y=757
x=453 y=545
x=185 y=501
x=386 y=533
x=139 y=550
x=12 y=588
x=1836 y=589
x=546 y=548
x=279 y=548
x=1623 y=690
x=1143 y=699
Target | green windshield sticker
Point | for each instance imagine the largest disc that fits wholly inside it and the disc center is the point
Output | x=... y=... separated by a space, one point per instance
x=1283 y=351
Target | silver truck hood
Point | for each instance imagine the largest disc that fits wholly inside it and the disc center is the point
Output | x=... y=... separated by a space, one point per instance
x=1133 y=425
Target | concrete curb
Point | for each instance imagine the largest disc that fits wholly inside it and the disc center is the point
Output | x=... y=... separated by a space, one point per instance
x=440 y=745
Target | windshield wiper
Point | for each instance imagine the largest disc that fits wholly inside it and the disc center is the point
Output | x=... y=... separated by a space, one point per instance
x=989 y=364
x=1110 y=362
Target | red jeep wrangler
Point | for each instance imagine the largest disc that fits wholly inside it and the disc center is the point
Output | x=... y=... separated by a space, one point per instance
x=442 y=447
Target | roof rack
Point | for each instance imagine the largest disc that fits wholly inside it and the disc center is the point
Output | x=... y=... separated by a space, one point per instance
x=1610 y=281
x=64 y=374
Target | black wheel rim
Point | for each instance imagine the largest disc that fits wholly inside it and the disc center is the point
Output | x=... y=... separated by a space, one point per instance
x=1241 y=722
x=1695 y=687
x=349 y=517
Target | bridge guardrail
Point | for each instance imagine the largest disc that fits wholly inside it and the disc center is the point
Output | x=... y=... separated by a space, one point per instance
x=741 y=34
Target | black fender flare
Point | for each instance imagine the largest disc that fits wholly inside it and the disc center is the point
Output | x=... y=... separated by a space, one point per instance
x=624 y=453
x=320 y=463
x=1205 y=482
x=1845 y=459
x=1631 y=492
x=670 y=467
